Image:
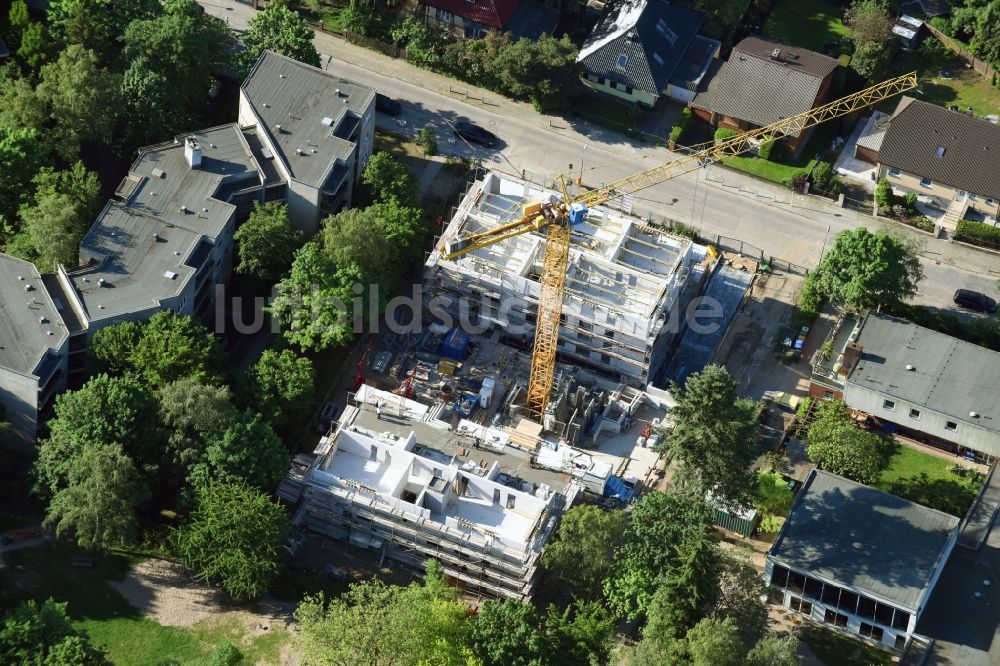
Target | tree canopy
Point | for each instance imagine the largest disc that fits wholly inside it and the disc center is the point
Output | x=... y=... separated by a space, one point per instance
x=834 y=444
x=714 y=436
x=246 y=451
x=235 y=536
x=868 y=270
x=280 y=29
x=41 y=633
x=281 y=385
x=267 y=241
x=581 y=554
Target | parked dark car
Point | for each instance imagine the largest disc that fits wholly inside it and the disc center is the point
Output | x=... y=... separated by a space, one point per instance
x=974 y=300
x=387 y=105
x=475 y=134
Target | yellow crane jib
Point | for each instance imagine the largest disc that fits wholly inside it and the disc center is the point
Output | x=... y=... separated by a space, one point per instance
x=559 y=216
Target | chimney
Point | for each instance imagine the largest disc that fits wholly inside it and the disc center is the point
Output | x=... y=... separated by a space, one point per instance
x=192 y=152
x=776 y=54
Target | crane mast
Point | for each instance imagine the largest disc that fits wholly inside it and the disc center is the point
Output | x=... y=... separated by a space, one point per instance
x=559 y=217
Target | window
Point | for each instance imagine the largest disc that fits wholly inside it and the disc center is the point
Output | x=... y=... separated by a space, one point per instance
x=613 y=84
x=990 y=202
x=939 y=151
x=446 y=17
x=800 y=606
x=900 y=642
x=914 y=413
x=901 y=620
x=600 y=80
x=814 y=588
x=889 y=404
x=926 y=182
x=883 y=614
x=661 y=26
x=658 y=59
x=973 y=196
x=496 y=495
x=893 y=171
x=622 y=61
x=828 y=395
x=871 y=631
x=373 y=454
x=835 y=618
x=950 y=425
x=848 y=602
x=779 y=576
x=796 y=582
x=866 y=608
x=628 y=90
x=510 y=501
x=831 y=595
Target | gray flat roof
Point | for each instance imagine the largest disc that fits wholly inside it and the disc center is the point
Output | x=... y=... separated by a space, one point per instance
x=135 y=243
x=949 y=376
x=863 y=538
x=303 y=101
x=30 y=325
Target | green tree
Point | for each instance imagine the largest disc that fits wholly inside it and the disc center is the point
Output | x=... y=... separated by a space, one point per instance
x=870 y=59
x=150 y=110
x=106 y=410
x=507 y=633
x=98 y=25
x=374 y=624
x=235 y=537
x=98 y=505
x=773 y=495
x=986 y=41
x=112 y=346
x=738 y=597
x=42 y=634
x=18 y=19
x=869 y=21
x=884 y=196
x=581 y=633
x=72 y=87
x=356 y=237
x=834 y=444
x=35 y=47
x=246 y=451
x=54 y=226
x=581 y=555
x=80 y=185
x=663 y=543
x=278 y=29
x=385 y=178
x=21 y=158
x=715 y=643
x=172 y=346
x=775 y=651
x=281 y=385
x=714 y=436
x=404 y=229
x=868 y=270
x=267 y=241
x=193 y=413
x=313 y=303
x=424 y=44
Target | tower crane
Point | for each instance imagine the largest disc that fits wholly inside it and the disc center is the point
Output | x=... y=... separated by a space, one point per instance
x=559 y=217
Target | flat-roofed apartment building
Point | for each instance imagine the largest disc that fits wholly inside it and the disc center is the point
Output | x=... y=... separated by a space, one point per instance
x=623 y=284
x=393 y=479
x=858 y=559
x=930 y=386
x=33 y=342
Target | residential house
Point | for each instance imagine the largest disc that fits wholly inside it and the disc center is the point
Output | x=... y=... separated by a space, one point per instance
x=928 y=385
x=859 y=560
x=33 y=343
x=393 y=479
x=644 y=49
x=949 y=159
x=315 y=127
x=762 y=82
x=474 y=18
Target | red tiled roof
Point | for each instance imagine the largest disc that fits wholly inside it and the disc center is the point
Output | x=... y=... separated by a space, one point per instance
x=492 y=13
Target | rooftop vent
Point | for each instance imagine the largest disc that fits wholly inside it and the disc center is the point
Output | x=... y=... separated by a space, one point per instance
x=170 y=275
x=910 y=367
x=100 y=281
x=299 y=151
x=328 y=121
x=973 y=415
x=939 y=151
x=20 y=277
x=278 y=127
x=184 y=209
x=282 y=76
x=156 y=237
x=100 y=307
x=337 y=92
x=28 y=287
x=157 y=173
x=42 y=319
x=776 y=54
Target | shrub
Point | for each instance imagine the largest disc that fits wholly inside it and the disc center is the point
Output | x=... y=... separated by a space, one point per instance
x=681 y=229
x=225 y=654
x=724 y=133
x=942 y=24
x=681 y=125
x=425 y=137
x=765 y=150
x=978 y=233
x=883 y=194
x=811 y=299
x=771 y=524
x=899 y=212
x=910 y=200
x=922 y=223
x=798 y=181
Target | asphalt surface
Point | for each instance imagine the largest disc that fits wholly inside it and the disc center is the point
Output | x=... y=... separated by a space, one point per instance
x=714 y=200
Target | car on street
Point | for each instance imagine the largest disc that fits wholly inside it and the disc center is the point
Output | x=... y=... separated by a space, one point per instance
x=475 y=134
x=974 y=300
x=387 y=105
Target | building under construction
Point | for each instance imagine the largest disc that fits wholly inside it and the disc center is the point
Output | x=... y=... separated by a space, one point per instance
x=624 y=282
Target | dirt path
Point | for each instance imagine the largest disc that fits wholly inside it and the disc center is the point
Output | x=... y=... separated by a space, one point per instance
x=164 y=591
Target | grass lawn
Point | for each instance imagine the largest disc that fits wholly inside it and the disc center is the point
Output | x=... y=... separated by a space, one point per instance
x=835 y=649
x=965 y=88
x=929 y=480
x=110 y=621
x=780 y=172
x=806 y=23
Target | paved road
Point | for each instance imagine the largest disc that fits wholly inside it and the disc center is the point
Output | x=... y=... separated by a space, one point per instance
x=714 y=200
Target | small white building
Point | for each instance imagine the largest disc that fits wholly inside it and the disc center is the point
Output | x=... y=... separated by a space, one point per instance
x=858 y=559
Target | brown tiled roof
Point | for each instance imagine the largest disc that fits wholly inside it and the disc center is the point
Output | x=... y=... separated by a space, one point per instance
x=970 y=147
x=757 y=88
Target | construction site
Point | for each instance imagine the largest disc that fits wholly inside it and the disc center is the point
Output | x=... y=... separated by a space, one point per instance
x=527 y=377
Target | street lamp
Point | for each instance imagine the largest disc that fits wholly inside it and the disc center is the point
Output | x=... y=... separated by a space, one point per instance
x=823 y=251
x=579 y=181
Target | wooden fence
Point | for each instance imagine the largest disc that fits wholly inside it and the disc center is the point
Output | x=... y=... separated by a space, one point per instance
x=981 y=66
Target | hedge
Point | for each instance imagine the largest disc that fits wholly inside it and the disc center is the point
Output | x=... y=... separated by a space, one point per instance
x=765 y=150
x=724 y=133
x=681 y=125
x=978 y=233
x=883 y=194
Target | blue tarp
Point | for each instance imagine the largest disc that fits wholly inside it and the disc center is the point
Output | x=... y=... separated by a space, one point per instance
x=619 y=490
x=454 y=344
